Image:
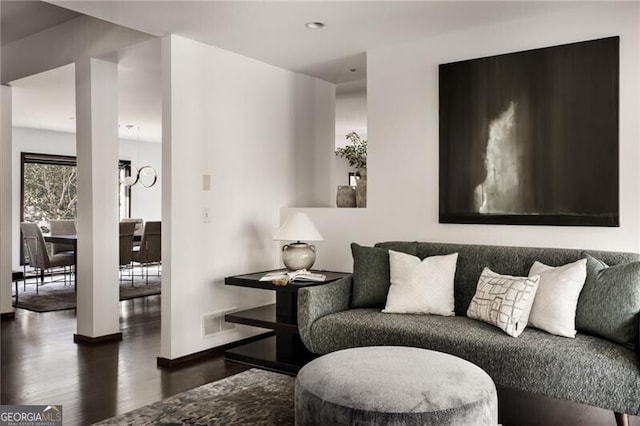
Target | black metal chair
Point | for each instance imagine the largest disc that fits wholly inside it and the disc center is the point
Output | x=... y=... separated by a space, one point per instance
x=150 y=250
x=127 y=230
x=38 y=256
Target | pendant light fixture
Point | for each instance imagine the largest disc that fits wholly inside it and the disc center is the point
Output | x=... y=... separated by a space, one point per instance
x=145 y=175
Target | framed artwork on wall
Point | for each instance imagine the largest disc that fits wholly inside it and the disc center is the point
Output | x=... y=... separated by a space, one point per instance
x=531 y=138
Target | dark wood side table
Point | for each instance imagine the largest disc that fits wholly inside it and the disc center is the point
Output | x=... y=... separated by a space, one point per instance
x=283 y=352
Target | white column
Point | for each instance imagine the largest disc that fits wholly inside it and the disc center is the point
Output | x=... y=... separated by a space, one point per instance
x=5 y=201
x=166 y=319
x=97 y=152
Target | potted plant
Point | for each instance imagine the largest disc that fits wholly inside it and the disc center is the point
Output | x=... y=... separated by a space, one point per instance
x=356 y=155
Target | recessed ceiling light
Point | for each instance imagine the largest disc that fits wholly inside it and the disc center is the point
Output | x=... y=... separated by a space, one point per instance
x=315 y=25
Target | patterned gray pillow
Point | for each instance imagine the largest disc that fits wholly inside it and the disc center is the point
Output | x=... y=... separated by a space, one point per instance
x=504 y=301
x=609 y=304
x=371 y=275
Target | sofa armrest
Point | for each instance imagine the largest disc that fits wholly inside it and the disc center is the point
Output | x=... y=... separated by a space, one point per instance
x=318 y=301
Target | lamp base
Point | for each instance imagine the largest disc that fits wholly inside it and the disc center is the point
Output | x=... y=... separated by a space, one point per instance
x=298 y=255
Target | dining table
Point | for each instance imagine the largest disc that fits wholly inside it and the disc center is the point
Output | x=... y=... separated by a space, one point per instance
x=72 y=240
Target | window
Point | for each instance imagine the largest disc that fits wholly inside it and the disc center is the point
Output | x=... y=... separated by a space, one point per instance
x=50 y=188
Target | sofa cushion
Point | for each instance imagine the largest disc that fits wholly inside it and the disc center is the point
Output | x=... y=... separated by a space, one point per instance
x=421 y=286
x=504 y=260
x=554 y=308
x=609 y=304
x=504 y=301
x=537 y=362
x=371 y=277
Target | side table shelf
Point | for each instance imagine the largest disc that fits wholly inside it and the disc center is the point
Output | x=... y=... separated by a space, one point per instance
x=263 y=354
x=283 y=352
x=262 y=316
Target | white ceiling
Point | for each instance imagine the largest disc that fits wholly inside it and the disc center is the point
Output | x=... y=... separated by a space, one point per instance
x=47 y=100
x=25 y=17
x=274 y=31
x=271 y=31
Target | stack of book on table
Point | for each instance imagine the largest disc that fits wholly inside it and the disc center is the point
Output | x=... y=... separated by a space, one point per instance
x=298 y=276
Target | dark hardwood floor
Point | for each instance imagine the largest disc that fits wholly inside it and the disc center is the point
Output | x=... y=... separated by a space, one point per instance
x=42 y=365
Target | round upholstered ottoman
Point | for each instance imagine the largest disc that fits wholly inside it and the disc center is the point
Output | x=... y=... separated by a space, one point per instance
x=394 y=385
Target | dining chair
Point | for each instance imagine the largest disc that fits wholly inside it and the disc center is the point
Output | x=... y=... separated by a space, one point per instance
x=127 y=230
x=15 y=277
x=38 y=256
x=62 y=227
x=150 y=249
x=139 y=227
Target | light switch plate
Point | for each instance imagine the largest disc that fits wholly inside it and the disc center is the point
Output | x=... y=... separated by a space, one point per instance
x=206 y=215
x=206 y=182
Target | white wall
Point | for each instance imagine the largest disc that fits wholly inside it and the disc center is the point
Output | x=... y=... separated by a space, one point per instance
x=265 y=135
x=5 y=199
x=146 y=202
x=351 y=116
x=402 y=94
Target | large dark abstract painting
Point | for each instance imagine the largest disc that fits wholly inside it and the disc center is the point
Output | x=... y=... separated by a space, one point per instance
x=532 y=137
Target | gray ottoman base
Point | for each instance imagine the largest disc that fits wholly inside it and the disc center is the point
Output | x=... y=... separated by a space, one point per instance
x=394 y=386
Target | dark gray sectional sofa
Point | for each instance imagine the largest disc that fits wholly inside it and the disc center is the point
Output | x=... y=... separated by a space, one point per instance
x=588 y=369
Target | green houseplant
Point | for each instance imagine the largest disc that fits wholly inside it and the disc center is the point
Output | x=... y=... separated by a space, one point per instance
x=356 y=155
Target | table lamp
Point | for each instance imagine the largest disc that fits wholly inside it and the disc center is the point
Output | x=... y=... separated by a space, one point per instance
x=298 y=255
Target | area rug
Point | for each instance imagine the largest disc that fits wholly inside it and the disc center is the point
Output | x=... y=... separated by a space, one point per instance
x=253 y=397
x=55 y=296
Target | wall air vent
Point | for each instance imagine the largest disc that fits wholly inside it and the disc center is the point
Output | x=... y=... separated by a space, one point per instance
x=214 y=322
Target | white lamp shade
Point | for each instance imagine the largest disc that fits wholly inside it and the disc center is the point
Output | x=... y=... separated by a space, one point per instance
x=298 y=227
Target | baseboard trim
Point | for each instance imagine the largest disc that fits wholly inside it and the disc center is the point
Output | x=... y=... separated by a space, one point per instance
x=196 y=357
x=7 y=316
x=79 y=338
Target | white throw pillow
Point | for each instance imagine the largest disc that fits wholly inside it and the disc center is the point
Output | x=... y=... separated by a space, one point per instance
x=554 y=309
x=504 y=301
x=421 y=287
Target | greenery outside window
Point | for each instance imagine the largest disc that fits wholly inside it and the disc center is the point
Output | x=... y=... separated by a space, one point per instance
x=49 y=188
